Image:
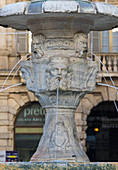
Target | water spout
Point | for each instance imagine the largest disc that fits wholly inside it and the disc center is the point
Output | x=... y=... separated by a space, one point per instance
x=106 y=81
x=101 y=84
x=11 y=86
x=12 y=71
x=56 y=112
x=106 y=71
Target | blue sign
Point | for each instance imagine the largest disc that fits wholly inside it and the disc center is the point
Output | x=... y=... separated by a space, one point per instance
x=11 y=156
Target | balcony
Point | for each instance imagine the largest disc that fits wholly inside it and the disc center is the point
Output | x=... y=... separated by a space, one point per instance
x=110 y=60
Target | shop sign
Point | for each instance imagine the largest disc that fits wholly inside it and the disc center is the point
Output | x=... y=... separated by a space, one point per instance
x=33 y=115
x=110 y=125
x=11 y=156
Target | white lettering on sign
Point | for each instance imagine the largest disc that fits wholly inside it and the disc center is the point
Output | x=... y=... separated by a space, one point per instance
x=33 y=111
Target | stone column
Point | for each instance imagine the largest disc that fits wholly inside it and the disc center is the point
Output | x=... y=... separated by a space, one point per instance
x=59 y=75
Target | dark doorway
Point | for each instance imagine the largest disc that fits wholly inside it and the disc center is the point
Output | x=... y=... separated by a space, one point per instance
x=102 y=133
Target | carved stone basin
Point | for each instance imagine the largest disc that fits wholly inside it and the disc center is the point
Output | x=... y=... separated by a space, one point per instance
x=59 y=73
x=81 y=16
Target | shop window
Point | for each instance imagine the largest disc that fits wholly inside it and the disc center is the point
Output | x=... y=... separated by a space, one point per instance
x=28 y=130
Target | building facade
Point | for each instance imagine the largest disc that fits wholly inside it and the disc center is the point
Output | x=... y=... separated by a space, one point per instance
x=22 y=118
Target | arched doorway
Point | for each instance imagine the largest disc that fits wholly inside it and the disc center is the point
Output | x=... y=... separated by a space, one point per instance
x=102 y=139
x=28 y=130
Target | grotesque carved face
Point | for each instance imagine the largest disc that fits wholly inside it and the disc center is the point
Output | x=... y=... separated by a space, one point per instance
x=38 y=45
x=58 y=67
x=81 y=44
x=57 y=73
x=58 y=70
x=28 y=76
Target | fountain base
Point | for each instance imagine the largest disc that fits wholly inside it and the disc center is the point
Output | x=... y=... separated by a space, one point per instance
x=58 y=165
x=60 y=140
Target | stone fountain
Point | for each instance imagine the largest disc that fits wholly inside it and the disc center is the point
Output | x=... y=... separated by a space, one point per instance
x=59 y=73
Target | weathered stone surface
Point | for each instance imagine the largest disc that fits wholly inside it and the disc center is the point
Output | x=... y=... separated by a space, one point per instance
x=3 y=129
x=17 y=98
x=78 y=115
x=16 y=9
x=108 y=9
x=12 y=110
x=13 y=103
x=60 y=6
x=79 y=128
x=3 y=116
x=60 y=143
x=25 y=97
x=3 y=142
x=5 y=135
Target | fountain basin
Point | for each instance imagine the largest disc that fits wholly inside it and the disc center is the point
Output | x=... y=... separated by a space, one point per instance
x=73 y=15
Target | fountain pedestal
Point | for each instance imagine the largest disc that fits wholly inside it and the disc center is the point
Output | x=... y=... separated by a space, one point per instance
x=59 y=75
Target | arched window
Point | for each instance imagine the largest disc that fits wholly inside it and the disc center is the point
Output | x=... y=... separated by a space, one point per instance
x=28 y=130
x=102 y=140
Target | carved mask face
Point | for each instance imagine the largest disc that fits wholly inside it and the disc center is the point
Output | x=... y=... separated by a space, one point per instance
x=58 y=70
x=38 y=45
x=81 y=44
x=57 y=73
x=37 y=49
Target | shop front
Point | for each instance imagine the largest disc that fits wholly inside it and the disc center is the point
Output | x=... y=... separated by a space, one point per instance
x=28 y=130
x=102 y=133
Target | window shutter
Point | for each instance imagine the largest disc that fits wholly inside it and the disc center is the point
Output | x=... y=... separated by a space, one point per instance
x=105 y=41
x=96 y=42
x=22 y=43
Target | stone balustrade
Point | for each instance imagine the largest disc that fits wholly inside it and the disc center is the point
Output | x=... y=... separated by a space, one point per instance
x=110 y=60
